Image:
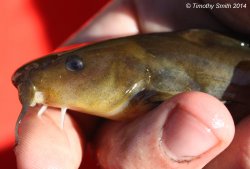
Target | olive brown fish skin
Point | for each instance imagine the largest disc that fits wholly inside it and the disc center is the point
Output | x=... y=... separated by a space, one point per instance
x=120 y=78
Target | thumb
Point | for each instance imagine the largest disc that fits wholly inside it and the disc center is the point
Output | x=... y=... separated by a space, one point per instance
x=184 y=133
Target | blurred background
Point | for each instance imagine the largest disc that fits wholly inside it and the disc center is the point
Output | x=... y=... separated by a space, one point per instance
x=28 y=30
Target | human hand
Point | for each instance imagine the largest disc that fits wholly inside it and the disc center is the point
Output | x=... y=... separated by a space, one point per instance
x=44 y=145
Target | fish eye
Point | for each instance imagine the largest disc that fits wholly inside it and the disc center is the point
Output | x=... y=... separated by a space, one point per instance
x=74 y=63
x=244 y=44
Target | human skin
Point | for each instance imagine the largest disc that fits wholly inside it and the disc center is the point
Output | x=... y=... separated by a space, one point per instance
x=125 y=18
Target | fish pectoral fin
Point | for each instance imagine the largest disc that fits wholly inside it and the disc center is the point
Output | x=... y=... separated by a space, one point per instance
x=161 y=97
x=142 y=102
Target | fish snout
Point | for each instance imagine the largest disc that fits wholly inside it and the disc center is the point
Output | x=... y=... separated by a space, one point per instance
x=21 y=74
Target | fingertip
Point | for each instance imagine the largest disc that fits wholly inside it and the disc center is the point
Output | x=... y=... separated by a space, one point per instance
x=210 y=111
x=43 y=144
x=187 y=132
x=238 y=153
x=198 y=128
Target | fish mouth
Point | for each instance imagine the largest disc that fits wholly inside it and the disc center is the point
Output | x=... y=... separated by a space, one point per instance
x=26 y=90
x=21 y=79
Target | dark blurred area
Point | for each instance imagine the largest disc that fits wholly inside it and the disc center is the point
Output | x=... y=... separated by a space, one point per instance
x=7 y=158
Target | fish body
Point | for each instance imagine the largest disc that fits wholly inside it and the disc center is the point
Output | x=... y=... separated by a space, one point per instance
x=120 y=78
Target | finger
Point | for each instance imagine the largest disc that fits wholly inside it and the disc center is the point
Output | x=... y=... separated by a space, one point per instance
x=162 y=15
x=117 y=19
x=235 y=14
x=184 y=133
x=44 y=144
x=237 y=155
x=127 y=17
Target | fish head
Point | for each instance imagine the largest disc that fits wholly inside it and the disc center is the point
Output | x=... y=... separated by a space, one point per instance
x=100 y=79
